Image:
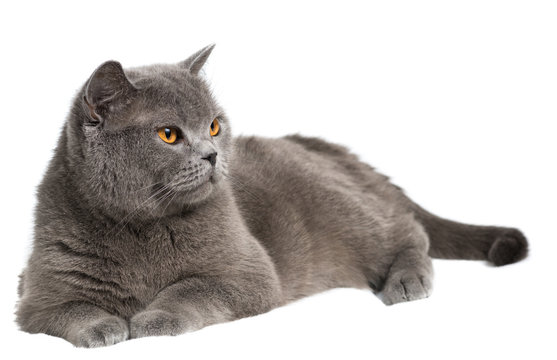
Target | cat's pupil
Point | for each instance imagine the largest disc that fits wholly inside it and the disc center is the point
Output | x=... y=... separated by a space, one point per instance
x=167 y=133
x=213 y=126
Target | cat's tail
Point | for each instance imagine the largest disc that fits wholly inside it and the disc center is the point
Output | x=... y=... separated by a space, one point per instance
x=453 y=240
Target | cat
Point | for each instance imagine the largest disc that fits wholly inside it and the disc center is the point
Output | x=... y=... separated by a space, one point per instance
x=153 y=220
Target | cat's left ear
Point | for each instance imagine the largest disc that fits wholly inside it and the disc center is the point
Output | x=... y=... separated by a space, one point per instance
x=195 y=62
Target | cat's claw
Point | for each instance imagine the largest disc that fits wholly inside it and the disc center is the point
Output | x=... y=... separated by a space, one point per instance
x=103 y=332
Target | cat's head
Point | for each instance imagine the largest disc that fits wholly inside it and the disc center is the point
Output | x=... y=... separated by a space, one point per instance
x=148 y=141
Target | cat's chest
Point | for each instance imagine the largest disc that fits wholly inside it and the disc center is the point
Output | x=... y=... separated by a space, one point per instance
x=154 y=256
x=137 y=262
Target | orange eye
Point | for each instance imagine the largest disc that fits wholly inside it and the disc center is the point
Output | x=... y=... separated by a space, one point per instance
x=215 y=127
x=168 y=135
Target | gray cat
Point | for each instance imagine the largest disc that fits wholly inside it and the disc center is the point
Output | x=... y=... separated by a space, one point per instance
x=153 y=220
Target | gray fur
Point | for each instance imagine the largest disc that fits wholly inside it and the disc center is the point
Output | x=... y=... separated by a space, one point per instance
x=135 y=237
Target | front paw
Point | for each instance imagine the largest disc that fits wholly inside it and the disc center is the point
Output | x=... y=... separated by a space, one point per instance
x=102 y=332
x=157 y=323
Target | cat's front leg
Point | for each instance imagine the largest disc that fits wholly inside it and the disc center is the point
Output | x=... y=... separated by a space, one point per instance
x=81 y=323
x=196 y=302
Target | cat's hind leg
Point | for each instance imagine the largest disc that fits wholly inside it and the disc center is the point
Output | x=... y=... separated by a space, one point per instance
x=410 y=274
x=409 y=278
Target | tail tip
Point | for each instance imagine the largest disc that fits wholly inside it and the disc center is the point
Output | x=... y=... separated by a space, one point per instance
x=509 y=247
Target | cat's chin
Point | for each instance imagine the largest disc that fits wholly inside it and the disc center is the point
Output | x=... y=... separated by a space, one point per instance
x=186 y=199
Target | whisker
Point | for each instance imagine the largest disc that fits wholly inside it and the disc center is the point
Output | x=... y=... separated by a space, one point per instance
x=126 y=219
x=146 y=187
x=169 y=202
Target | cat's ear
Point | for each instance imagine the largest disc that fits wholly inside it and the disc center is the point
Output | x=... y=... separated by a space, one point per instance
x=107 y=88
x=195 y=62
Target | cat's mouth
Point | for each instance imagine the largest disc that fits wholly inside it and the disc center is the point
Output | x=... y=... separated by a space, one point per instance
x=197 y=186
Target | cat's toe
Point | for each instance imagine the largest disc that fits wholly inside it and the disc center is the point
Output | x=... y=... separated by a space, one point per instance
x=102 y=332
x=406 y=287
x=156 y=323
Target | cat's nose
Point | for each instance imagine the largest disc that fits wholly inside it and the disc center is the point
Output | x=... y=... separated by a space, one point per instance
x=212 y=158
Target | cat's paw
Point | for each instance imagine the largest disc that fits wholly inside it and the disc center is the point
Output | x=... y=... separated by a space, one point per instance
x=157 y=323
x=406 y=286
x=102 y=332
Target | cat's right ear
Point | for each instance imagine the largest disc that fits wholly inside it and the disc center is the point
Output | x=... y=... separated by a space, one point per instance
x=195 y=62
x=107 y=90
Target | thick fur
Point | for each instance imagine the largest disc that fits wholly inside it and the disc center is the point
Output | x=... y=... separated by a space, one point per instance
x=135 y=237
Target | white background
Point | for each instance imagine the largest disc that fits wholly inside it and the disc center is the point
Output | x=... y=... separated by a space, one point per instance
x=456 y=101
